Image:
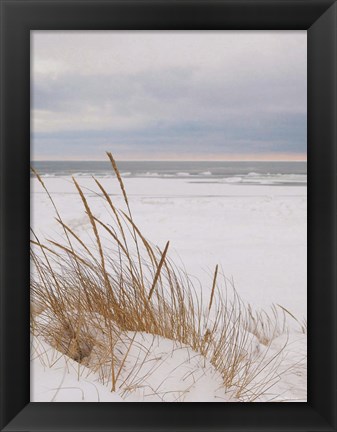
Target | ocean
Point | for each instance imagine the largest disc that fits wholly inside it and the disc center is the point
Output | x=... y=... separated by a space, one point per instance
x=230 y=172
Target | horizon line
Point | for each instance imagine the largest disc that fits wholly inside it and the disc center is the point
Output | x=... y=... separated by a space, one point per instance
x=170 y=160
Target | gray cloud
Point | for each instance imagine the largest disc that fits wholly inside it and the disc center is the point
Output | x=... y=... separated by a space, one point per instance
x=227 y=104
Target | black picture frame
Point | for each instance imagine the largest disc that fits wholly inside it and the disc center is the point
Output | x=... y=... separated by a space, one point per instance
x=18 y=18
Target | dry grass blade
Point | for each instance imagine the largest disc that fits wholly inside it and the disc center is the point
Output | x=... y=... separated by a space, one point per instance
x=302 y=325
x=121 y=184
x=145 y=242
x=94 y=227
x=213 y=287
x=119 y=177
x=160 y=265
x=70 y=231
x=108 y=199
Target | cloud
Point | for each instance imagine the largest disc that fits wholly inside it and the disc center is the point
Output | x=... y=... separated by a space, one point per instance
x=178 y=92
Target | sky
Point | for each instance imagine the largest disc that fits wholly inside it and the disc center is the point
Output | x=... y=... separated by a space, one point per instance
x=169 y=95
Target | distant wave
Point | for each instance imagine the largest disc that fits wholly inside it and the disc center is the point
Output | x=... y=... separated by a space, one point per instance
x=250 y=177
x=233 y=180
x=48 y=175
x=147 y=174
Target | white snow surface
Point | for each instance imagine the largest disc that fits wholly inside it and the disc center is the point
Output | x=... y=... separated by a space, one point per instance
x=256 y=233
x=161 y=371
x=57 y=378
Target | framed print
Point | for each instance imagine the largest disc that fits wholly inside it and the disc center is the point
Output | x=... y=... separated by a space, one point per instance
x=168 y=212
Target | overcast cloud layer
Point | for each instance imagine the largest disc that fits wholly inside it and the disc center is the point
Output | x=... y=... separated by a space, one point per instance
x=169 y=95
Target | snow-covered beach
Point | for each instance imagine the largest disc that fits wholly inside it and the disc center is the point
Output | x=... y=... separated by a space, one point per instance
x=257 y=232
x=254 y=228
